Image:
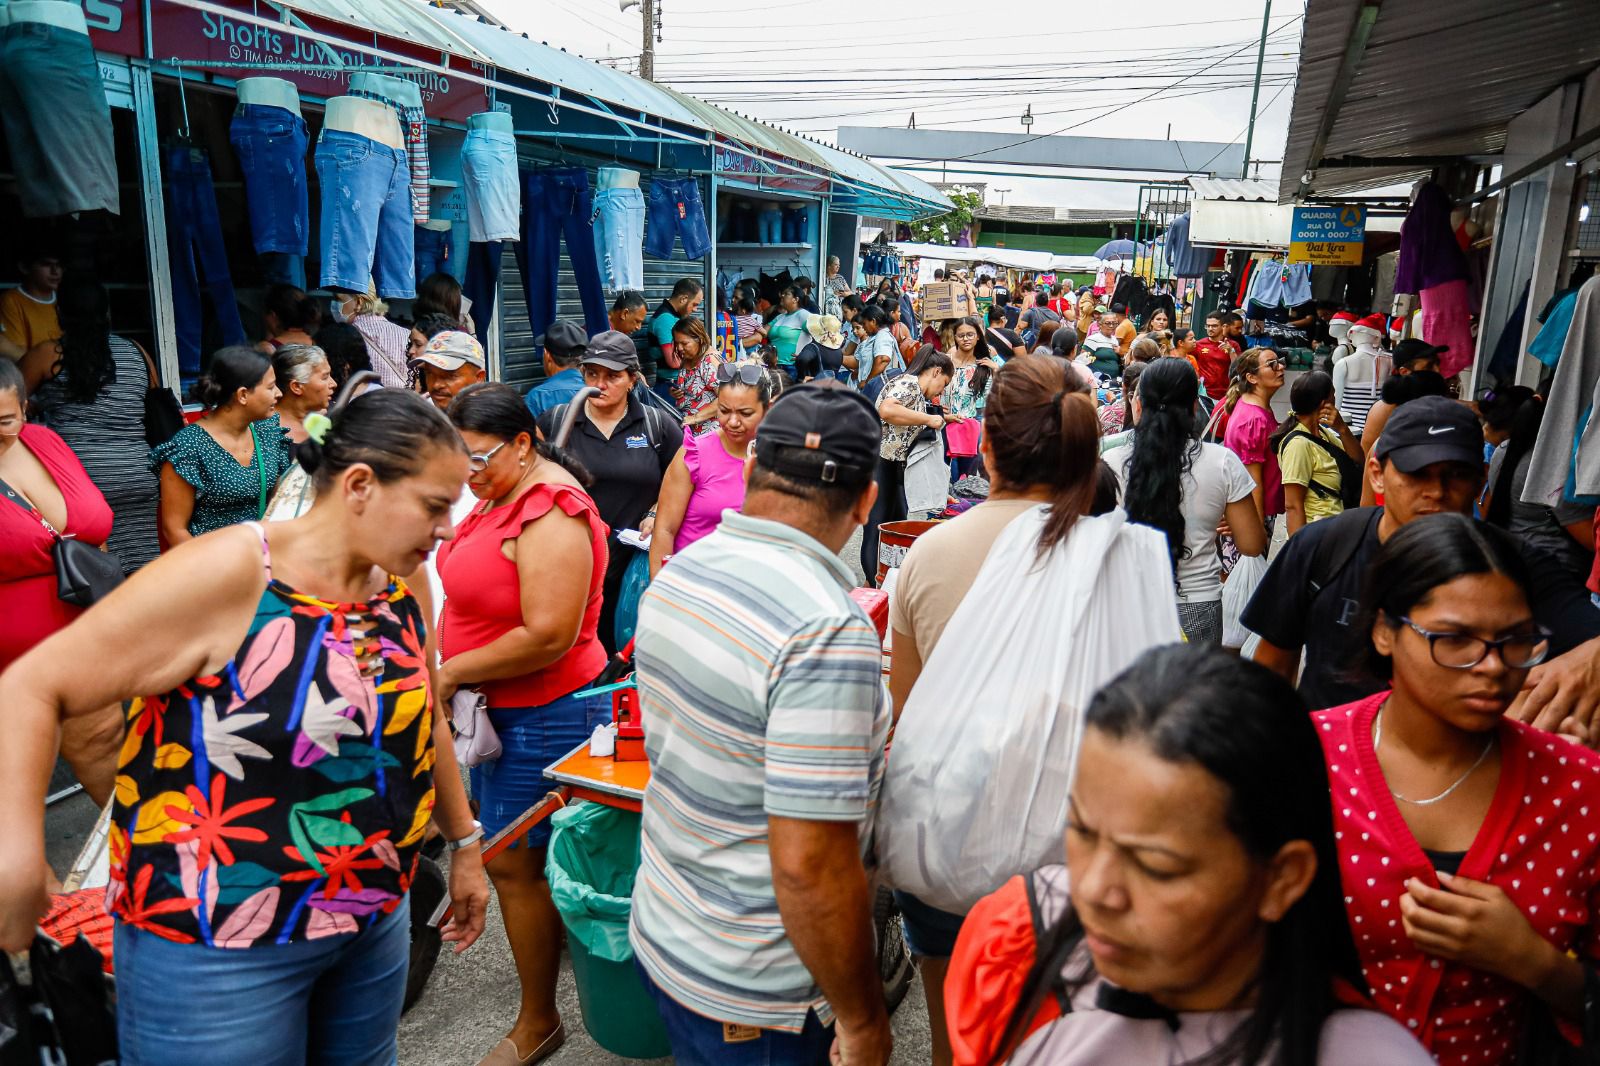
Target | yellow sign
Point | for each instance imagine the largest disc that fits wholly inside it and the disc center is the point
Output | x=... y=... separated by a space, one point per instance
x=1328 y=236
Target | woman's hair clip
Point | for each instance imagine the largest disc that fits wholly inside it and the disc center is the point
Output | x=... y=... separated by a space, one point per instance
x=317 y=425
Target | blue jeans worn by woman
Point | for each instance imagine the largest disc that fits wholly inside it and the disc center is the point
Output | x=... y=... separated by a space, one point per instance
x=334 y=1001
x=532 y=738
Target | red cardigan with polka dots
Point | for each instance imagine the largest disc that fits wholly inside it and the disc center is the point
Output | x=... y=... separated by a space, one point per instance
x=1540 y=843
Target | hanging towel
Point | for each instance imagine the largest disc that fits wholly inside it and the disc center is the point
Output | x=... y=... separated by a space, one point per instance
x=1566 y=454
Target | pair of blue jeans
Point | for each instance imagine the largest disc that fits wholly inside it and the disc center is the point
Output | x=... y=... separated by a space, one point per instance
x=57 y=120
x=556 y=204
x=531 y=739
x=432 y=253
x=676 y=212
x=619 y=238
x=333 y=1001
x=769 y=225
x=482 y=283
x=367 y=234
x=271 y=145
x=700 y=1041
x=797 y=225
x=489 y=176
x=194 y=246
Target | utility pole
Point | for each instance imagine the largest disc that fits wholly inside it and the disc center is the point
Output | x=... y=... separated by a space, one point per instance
x=1255 y=93
x=647 y=56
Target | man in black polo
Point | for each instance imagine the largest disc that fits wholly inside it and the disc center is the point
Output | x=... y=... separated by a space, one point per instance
x=1428 y=461
x=657 y=361
x=626 y=445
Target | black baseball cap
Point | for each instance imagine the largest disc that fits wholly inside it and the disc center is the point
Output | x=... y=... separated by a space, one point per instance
x=1428 y=430
x=612 y=350
x=821 y=431
x=1414 y=348
x=564 y=338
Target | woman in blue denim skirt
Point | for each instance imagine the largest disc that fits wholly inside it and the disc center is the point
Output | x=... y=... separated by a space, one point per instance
x=522 y=583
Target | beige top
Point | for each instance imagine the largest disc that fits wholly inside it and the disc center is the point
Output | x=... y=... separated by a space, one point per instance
x=941 y=566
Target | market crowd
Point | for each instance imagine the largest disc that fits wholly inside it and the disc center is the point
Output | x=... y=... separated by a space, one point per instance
x=1189 y=804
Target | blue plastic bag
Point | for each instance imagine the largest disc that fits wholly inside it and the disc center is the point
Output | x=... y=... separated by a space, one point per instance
x=634 y=581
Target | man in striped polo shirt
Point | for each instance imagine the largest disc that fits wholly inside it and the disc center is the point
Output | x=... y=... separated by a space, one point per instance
x=765 y=723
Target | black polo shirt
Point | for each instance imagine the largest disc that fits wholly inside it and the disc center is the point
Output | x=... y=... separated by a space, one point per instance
x=1288 y=612
x=628 y=466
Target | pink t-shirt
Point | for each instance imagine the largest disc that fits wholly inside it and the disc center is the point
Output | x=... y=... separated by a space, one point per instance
x=1248 y=436
x=718 y=480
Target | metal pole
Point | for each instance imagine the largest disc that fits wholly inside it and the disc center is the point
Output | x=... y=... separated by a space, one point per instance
x=1255 y=93
x=647 y=58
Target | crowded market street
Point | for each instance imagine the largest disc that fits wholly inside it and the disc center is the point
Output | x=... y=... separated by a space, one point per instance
x=654 y=544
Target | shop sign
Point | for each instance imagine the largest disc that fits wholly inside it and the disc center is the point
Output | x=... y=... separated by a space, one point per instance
x=726 y=161
x=236 y=48
x=115 y=26
x=1328 y=236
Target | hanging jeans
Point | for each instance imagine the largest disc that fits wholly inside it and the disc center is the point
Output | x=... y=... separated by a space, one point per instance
x=676 y=212
x=194 y=246
x=271 y=145
x=57 y=120
x=432 y=252
x=482 y=283
x=367 y=233
x=489 y=176
x=619 y=238
x=769 y=224
x=555 y=203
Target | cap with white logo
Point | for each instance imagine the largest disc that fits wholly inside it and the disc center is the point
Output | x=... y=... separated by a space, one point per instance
x=1428 y=430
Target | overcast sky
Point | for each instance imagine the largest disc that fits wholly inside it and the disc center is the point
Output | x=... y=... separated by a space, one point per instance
x=1171 y=64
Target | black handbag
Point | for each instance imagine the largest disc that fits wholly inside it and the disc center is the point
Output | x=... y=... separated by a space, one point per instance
x=84 y=573
x=163 y=416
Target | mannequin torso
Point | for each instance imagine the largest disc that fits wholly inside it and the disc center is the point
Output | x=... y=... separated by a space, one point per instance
x=402 y=92
x=67 y=16
x=499 y=121
x=269 y=92
x=617 y=178
x=367 y=118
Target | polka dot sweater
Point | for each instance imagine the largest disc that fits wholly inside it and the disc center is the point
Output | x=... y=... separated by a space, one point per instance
x=1539 y=843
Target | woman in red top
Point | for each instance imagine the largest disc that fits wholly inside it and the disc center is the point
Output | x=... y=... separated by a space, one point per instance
x=522 y=582
x=44 y=480
x=1467 y=840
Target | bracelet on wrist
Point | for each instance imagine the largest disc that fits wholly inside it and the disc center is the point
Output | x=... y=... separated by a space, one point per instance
x=468 y=840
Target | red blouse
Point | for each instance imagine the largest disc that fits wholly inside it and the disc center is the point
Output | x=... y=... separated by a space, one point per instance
x=32 y=610
x=1538 y=844
x=483 y=598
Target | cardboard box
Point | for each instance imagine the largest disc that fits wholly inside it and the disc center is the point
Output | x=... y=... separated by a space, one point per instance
x=945 y=299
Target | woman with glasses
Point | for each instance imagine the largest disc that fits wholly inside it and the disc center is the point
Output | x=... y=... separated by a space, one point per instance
x=522 y=582
x=1257 y=375
x=696 y=388
x=707 y=476
x=1467 y=840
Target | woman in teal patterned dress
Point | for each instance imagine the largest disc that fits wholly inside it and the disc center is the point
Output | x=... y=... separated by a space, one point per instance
x=221 y=470
x=283 y=758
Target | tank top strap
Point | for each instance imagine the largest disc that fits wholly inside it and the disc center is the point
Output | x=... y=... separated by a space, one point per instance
x=266 y=549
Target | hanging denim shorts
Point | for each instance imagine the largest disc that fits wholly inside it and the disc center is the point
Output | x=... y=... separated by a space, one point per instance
x=57 y=120
x=367 y=224
x=271 y=145
x=489 y=176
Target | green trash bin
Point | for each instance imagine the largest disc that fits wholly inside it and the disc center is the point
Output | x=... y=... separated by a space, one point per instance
x=591 y=864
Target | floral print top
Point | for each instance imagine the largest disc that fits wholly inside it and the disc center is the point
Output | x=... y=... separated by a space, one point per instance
x=695 y=389
x=225 y=493
x=283 y=798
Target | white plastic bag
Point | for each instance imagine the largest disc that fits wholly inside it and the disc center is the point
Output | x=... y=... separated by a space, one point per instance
x=1236 y=593
x=983 y=756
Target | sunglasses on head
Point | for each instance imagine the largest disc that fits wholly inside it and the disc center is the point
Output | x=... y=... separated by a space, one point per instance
x=748 y=374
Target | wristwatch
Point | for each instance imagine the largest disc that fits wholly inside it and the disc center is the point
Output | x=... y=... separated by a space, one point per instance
x=468 y=840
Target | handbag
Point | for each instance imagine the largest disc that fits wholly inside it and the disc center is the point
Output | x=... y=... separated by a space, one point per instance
x=56 y=1006
x=475 y=738
x=84 y=573
x=163 y=414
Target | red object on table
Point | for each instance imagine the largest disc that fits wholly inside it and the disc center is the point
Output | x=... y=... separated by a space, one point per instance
x=876 y=603
x=630 y=727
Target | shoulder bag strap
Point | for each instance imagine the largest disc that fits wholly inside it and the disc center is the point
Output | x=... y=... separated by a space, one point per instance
x=27 y=505
x=261 y=471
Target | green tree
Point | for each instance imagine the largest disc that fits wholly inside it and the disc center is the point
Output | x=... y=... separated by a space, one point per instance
x=945 y=228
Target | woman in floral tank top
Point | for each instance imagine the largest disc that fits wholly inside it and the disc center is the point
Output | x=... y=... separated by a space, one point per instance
x=273 y=791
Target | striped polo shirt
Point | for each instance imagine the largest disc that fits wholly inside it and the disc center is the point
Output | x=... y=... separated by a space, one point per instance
x=759 y=681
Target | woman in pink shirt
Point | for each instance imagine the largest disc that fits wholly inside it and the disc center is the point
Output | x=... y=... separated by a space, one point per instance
x=1256 y=376
x=707 y=477
x=1469 y=843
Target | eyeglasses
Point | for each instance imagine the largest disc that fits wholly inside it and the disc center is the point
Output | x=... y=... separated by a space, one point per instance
x=1270 y=364
x=1463 y=651
x=478 y=463
x=748 y=374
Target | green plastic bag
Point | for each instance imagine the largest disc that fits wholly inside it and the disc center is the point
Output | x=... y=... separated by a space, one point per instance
x=591 y=864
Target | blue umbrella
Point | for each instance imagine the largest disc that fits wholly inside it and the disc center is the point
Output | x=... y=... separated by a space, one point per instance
x=1112 y=249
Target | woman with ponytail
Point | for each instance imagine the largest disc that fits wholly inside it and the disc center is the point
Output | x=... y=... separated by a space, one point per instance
x=523 y=582
x=222 y=469
x=1185 y=489
x=1204 y=921
x=1255 y=377
x=1039 y=446
x=284 y=758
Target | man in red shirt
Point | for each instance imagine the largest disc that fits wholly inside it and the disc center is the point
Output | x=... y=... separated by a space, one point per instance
x=1215 y=356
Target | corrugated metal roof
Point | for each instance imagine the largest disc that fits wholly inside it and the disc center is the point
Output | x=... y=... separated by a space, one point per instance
x=1436 y=79
x=515 y=52
x=1249 y=190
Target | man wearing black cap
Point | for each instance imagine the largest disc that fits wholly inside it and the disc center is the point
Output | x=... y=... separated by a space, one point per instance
x=563 y=346
x=759 y=683
x=1428 y=461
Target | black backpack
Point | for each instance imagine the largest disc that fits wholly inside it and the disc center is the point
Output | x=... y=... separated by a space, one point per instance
x=1349 y=491
x=1342 y=536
